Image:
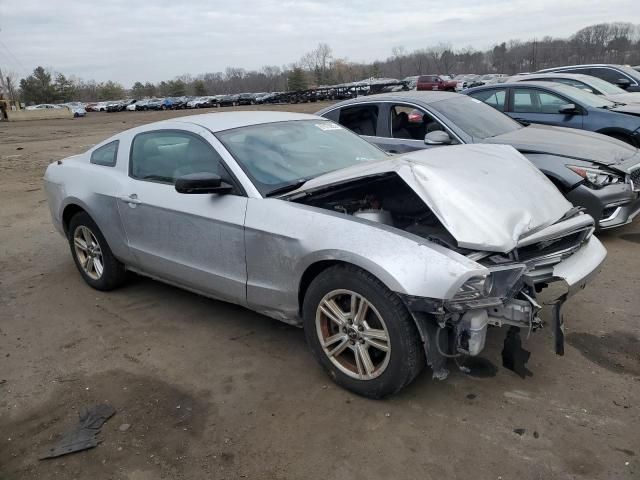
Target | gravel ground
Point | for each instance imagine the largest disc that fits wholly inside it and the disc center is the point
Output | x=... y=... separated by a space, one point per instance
x=211 y=390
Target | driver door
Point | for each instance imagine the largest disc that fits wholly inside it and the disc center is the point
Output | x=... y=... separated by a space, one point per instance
x=539 y=106
x=194 y=240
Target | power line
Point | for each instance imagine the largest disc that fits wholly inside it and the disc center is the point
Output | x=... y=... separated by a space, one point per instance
x=16 y=61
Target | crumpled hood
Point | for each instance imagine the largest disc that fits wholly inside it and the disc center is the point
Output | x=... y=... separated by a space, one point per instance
x=567 y=142
x=486 y=196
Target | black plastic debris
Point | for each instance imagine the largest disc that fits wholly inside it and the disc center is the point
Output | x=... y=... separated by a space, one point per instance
x=514 y=357
x=519 y=431
x=478 y=367
x=84 y=436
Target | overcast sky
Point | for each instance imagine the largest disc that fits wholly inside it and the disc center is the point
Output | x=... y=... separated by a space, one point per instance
x=129 y=40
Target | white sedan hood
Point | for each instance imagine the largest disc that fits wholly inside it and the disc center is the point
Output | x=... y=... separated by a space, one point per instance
x=486 y=196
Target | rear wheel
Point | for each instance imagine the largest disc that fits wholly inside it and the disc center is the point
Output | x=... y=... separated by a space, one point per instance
x=92 y=255
x=361 y=332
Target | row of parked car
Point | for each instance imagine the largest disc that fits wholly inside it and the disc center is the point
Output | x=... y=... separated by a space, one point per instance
x=77 y=108
x=623 y=76
x=586 y=144
x=182 y=102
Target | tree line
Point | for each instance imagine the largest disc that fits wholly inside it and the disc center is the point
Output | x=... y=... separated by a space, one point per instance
x=601 y=43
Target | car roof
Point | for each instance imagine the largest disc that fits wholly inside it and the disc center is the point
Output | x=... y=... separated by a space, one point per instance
x=217 y=122
x=517 y=85
x=568 y=76
x=424 y=97
x=586 y=65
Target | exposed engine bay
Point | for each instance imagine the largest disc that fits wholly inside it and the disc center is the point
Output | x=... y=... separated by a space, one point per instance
x=508 y=296
x=384 y=199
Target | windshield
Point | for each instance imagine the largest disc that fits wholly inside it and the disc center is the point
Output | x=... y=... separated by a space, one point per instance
x=275 y=155
x=632 y=72
x=584 y=97
x=604 y=86
x=475 y=118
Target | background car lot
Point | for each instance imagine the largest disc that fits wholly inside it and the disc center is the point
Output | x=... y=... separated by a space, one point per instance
x=211 y=389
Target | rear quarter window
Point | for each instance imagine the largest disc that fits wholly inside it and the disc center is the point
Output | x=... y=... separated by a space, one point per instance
x=106 y=155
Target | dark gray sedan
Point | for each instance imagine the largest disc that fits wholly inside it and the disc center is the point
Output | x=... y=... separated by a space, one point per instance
x=593 y=171
x=551 y=103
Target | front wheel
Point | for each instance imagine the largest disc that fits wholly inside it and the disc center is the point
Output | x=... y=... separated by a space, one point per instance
x=361 y=332
x=92 y=255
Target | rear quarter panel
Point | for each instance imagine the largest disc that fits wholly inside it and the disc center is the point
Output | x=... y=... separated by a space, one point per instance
x=95 y=189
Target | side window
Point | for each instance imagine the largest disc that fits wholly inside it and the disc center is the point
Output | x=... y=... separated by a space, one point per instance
x=106 y=155
x=536 y=101
x=550 y=103
x=496 y=98
x=412 y=123
x=165 y=155
x=333 y=115
x=361 y=119
x=608 y=74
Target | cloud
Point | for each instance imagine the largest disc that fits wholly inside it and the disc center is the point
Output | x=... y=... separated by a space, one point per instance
x=160 y=39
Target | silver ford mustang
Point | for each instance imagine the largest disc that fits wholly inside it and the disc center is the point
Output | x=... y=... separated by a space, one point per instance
x=388 y=262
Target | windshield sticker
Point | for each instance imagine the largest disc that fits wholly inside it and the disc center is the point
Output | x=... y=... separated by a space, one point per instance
x=328 y=126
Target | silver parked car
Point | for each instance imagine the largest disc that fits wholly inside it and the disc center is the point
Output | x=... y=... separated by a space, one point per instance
x=388 y=262
x=590 y=84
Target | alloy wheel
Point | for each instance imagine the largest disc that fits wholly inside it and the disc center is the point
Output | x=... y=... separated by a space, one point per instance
x=353 y=334
x=88 y=252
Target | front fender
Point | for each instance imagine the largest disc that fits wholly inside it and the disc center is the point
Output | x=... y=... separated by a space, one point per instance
x=283 y=239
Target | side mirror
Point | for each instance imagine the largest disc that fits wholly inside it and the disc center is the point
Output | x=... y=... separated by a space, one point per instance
x=568 y=109
x=623 y=82
x=202 y=183
x=437 y=137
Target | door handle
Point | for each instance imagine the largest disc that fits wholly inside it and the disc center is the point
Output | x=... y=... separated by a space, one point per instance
x=132 y=199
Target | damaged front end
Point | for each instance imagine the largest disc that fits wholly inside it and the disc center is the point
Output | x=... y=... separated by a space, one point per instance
x=545 y=269
x=522 y=245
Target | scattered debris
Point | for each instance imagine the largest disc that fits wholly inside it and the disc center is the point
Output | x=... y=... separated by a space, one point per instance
x=20 y=148
x=244 y=335
x=627 y=452
x=519 y=431
x=514 y=357
x=387 y=414
x=84 y=435
x=124 y=427
x=477 y=367
x=536 y=434
x=471 y=396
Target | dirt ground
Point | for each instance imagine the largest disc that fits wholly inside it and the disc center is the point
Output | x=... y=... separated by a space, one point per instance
x=212 y=390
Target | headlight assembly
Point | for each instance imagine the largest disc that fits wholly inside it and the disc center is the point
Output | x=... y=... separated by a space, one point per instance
x=481 y=291
x=474 y=288
x=596 y=177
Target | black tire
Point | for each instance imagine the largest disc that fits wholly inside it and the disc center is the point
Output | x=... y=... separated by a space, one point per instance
x=406 y=353
x=114 y=273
